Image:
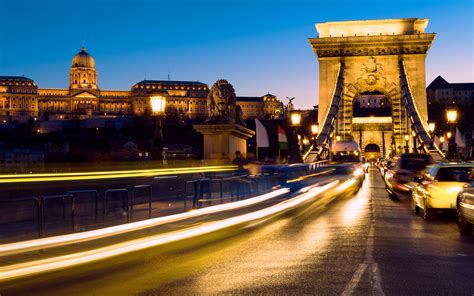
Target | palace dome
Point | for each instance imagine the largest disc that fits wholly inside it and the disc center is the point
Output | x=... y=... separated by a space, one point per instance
x=83 y=59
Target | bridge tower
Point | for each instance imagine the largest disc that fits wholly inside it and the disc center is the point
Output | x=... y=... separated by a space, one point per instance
x=379 y=61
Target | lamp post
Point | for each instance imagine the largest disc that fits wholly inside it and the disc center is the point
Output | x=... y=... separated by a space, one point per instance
x=452 y=116
x=431 y=130
x=158 y=105
x=314 y=133
x=413 y=134
x=407 y=137
x=295 y=156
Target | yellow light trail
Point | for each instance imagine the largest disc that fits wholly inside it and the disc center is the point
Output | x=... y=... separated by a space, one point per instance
x=346 y=185
x=50 y=264
x=310 y=175
x=61 y=240
x=24 y=178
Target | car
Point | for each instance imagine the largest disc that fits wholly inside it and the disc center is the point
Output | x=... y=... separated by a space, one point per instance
x=465 y=209
x=402 y=171
x=438 y=187
x=384 y=166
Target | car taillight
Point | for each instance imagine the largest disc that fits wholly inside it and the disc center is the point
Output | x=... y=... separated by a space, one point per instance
x=402 y=187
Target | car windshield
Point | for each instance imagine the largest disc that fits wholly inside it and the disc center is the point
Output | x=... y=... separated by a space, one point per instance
x=346 y=156
x=414 y=164
x=456 y=174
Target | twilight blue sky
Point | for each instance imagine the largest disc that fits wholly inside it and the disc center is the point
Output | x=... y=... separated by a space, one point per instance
x=259 y=46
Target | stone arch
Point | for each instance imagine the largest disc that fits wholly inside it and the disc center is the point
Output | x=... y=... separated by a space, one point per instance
x=352 y=90
x=372 y=147
x=372 y=151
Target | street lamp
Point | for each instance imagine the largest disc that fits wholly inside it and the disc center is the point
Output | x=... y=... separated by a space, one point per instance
x=431 y=130
x=314 y=133
x=314 y=129
x=295 y=117
x=407 y=137
x=451 y=116
x=158 y=105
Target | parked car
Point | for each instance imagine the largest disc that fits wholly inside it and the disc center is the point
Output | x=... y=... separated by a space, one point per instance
x=438 y=187
x=403 y=170
x=378 y=162
x=465 y=209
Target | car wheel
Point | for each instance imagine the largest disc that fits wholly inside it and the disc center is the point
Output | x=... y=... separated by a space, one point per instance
x=464 y=226
x=414 y=206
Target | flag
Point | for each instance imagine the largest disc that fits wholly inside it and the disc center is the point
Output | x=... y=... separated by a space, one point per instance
x=445 y=145
x=261 y=134
x=437 y=141
x=460 y=139
x=282 y=140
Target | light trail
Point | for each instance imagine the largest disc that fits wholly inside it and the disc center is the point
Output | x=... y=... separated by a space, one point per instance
x=50 y=264
x=310 y=175
x=25 y=178
x=55 y=241
x=116 y=172
x=346 y=185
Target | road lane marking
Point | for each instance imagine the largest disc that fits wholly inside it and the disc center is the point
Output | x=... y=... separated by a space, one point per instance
x=375 y=278
x=352 y=285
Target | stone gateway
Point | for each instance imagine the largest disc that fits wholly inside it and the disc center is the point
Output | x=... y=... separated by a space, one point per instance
x=373 y=61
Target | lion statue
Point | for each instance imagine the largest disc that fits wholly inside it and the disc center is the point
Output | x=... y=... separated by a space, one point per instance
x=221 y=103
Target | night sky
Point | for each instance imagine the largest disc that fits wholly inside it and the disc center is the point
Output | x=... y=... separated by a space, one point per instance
x=259 y=46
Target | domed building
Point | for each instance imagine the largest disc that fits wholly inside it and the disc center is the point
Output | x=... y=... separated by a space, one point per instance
x=21 y=99
x=83 y=73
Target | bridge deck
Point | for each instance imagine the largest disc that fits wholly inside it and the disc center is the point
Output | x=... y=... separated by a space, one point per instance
x=360 y=244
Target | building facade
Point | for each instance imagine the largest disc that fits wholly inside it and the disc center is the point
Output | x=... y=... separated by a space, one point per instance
x=21 y=99
x=443 y=92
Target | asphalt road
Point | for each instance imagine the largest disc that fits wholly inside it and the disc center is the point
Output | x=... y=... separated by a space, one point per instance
x=359 y=244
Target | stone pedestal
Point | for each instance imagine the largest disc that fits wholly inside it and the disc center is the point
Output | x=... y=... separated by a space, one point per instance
x=222 y=140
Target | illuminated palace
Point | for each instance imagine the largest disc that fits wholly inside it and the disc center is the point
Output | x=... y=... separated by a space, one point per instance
x=21 y=99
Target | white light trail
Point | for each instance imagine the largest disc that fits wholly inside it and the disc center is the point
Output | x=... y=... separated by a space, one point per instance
x=49 y=264
x=61 y=240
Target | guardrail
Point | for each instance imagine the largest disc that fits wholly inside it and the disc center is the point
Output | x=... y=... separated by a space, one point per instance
x=81 y=210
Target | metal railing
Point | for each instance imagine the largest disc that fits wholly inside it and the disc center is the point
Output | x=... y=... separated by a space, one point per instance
x=81 y=210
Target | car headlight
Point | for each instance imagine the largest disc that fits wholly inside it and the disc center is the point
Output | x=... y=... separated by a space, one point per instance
x=454 y=189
